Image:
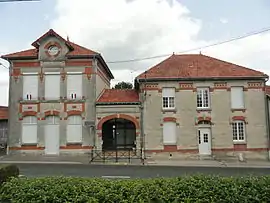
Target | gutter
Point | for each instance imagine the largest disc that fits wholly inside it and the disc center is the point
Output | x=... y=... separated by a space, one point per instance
x=202 y=79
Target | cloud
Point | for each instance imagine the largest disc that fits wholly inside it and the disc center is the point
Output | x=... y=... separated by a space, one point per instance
x=224 y=20
x=122 y=29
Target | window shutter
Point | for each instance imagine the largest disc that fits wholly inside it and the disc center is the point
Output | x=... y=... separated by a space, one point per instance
x=237 y=98
x=74 y=129
x=168 y=92
x=74 y=86
x=169 y=133
x=29 y=130
x=30 y=87
x=52 y=86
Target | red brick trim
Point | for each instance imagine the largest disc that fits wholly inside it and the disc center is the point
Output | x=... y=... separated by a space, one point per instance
x=170 y=148
x=75 y=146
x=27 y=147
x=220 y=86
x=255 y=85
x=186 y=86
x=123 y=116
x=239 y=118
x=29 y=113
x=240 y=147
x=46 y=47
x=78 y=63
x=99 y=134
x=51 y=113
x=26 y=64
x=74 y=113
x=82 y=103
x=88 y=71
x=207 y=118
x=169 y=119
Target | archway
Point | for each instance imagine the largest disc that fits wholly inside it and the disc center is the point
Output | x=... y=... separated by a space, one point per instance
x=118 y=133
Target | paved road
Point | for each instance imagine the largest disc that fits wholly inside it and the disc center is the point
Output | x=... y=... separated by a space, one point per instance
x=36 y=170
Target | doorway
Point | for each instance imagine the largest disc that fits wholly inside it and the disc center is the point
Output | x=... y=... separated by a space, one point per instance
x=118 y=134
x=204 y=141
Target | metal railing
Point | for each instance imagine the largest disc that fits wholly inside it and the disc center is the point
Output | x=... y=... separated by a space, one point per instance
x=116 y=155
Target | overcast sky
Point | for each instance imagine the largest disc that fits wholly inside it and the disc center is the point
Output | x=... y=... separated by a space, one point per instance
x=128 y=29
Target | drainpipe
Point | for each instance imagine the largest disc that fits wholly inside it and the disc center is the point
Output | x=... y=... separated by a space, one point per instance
x=142 y=126
x=267 y=121
x=95 y=94
x=9 y=105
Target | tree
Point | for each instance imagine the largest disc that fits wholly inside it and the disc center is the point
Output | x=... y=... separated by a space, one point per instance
x=123 y=85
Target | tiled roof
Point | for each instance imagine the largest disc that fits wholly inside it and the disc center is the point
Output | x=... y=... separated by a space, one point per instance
x=119 y=96
x=3 y=112
x=76 y=50
x=267 y=90
x=197 y=66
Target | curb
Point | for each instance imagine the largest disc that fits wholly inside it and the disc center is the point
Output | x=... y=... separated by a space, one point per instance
x=40 y=162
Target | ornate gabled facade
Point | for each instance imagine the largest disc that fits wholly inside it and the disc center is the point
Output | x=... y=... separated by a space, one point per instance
x=186 y=106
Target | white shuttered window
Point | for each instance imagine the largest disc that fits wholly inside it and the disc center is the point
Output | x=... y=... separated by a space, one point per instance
x=168 y=98
x=169 y=133
x=30 y=87
x=74 y=85
x=29 y=130
x=237 y=98
x=74 y=129
x=52 y=86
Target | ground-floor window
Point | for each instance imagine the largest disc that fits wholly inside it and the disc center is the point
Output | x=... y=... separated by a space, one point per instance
x=238 y=130
x=169 y=133
x=74 y=129
x=29 y=130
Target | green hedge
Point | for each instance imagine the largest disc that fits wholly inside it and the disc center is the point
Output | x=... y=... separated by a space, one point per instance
x=184 y=189
x=8 y=171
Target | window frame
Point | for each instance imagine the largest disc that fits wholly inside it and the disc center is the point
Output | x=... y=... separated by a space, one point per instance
x=170 y=103
x=200 y=90
x=29 y=94
x=74 y=94
x=243 y=97
x=32 y=122
x=46 y=74
x=165 y=137
x=72 y=122
x=236 y=123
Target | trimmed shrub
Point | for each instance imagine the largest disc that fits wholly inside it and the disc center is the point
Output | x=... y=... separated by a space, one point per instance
x=8 y=171
x=172 y=190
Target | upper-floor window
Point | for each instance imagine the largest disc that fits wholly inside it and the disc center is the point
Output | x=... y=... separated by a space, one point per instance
x=30 y=86
x=168 y=98
x=237 y=98
x=203 y=98
x=74 y=85
x=238 y=129
x=52 y=85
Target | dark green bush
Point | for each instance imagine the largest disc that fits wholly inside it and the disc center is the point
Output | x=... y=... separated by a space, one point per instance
x=8 y=171
x=175 y=190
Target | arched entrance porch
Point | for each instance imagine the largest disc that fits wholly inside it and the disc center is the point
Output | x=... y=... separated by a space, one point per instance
x=118 y=134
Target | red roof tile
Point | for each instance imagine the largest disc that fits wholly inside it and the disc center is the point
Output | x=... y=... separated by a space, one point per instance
x=267 y=90
x=75 y=49
x=3 y=113
x=198 y=66
x=119 y=96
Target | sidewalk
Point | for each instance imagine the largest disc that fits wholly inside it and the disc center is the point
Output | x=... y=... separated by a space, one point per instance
x=84 y=159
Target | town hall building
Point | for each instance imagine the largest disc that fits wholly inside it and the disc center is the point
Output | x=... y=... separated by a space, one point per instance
x=60 y=101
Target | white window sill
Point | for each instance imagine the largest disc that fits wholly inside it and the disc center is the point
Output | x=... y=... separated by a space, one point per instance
x=168 y=109
x=239 y=142
x=204 y=109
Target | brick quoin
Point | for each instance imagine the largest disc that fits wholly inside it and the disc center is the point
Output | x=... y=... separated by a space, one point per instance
x=123 y=116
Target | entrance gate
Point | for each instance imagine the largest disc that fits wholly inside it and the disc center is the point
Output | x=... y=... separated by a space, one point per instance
x=118 y=142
